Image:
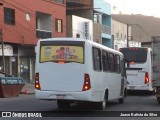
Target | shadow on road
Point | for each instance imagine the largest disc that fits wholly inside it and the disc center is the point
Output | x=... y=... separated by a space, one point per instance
x=139 y=93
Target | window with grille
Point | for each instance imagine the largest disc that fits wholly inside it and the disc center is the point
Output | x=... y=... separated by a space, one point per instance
x=59 y=25
x=9 y=16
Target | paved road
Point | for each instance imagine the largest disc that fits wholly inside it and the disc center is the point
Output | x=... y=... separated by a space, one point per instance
x=132 y=103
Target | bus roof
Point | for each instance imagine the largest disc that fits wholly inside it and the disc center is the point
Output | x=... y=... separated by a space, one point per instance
x=136 y=47
x=81 y=39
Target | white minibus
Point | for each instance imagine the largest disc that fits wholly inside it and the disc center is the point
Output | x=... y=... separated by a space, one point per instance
x=139 y=68
x=77 y=70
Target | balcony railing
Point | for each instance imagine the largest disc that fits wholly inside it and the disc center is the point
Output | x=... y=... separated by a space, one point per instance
x=106 y=29
x=43 y=34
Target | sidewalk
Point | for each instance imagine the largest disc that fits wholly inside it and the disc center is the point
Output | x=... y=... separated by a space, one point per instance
x=28 y=89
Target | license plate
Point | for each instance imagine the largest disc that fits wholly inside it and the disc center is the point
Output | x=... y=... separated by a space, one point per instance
x=61 y=97
x=131 y=87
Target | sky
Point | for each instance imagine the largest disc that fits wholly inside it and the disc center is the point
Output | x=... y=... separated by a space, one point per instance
x=144 y=7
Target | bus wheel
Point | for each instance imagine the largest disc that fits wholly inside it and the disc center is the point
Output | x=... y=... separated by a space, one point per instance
x=121 y=100
x=63 y=103
x=102 y=105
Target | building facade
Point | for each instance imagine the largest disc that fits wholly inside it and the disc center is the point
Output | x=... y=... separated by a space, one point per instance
x=102 y=23
x=119 y=35
x=97 y=11
x=23 y=23
x=81 y=8
x=79 y=27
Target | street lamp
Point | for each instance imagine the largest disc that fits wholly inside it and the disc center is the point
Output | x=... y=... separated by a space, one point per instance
x=127 y=32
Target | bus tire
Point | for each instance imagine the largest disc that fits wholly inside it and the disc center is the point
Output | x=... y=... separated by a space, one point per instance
x=121 y=100
x=63 y=103
x=125 y=93
x=102 y=105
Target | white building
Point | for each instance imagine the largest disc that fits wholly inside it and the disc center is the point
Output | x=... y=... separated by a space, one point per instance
x=79 y=27
x=119 y=35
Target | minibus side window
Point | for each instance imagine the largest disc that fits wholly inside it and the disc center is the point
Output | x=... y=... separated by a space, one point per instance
x=96 y=59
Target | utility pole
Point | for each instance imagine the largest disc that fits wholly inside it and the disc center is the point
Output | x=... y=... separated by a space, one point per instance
x=127 y=35
x=2 y=47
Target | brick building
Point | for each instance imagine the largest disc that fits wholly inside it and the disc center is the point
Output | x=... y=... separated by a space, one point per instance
x=23 y=22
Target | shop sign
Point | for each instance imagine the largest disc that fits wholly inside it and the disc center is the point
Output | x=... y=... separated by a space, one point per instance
x=86 y=30
x=8 y=50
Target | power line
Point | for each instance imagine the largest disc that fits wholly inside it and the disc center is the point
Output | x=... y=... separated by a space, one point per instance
x=20 y=23
x=33 y=12
x=64 y=27
x=18 y=33
x=27 y=11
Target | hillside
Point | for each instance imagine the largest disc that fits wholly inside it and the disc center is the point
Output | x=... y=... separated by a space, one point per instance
x=144 y=26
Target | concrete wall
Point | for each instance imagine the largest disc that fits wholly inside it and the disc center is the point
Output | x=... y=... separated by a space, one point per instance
x=119 y=31
x=69 y=31
x=88 y=14
x=78 y=27
x=97 y=31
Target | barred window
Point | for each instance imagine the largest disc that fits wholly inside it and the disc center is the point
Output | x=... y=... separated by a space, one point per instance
x=9 y=16
x=59 y=25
